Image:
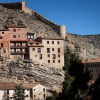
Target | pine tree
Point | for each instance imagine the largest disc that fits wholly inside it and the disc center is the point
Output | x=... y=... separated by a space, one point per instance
x=19 y=94
x=75 y=85
x=95 y=90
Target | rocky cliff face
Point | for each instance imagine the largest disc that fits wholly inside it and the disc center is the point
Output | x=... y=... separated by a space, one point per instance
x=32 y=71
x=83 y=46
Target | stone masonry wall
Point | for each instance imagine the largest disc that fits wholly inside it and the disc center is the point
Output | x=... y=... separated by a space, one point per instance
x=17 y=5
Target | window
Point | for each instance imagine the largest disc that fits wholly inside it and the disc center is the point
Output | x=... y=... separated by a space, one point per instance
x=37 y=43
x=2 y=32
x=30 y=36
x=4 y=51
x=31 y=43
x=53 y=61
x=39 y=50
x=7 y=91
x=58 y=50
x=58 y=61
x=40 y=56
x=52 y=42
x=14 y=30
x=48 y=50
x=44 y=95
x=43 y=89
x=47 y=42
x=59 y=55
x=1 y=44
x=7 y=97
x=52 y=49
x=33 y=49
x=48 y=55
x=18 y=29
x=48 y=61
x=14 y=36
x=58 y=42
x=54 y=56
x=18 y=35
x=34 y=89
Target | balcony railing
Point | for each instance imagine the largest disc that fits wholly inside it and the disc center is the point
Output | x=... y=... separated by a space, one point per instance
x=18 y=47
x=17 y=53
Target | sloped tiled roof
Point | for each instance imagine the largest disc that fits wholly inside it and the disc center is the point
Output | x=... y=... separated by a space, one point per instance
x=7 y=85
x=12 y=85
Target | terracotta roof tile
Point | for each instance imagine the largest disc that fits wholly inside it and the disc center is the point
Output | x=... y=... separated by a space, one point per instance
x=12 y=85
x=29 y=85
x=91 y=60
x=7 y=85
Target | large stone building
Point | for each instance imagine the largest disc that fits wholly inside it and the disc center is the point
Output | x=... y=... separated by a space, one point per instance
x=16 y=42
x=93 y=66
x=47 y=50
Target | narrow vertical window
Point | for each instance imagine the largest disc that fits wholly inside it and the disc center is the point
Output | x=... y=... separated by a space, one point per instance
x=4 y=51
x=48 y=50
x=54 y=56
x=58 y=42
x=52 y=42
x=33 y=49
x=39 y=50
x=58 y=61
x=58 y=50
x=14 y=36
x=48 y=55
x=47 y=42
x=14 y=30
x=48 y=61
x=1 y=44
x=40 y=56
x=58 y=55
x=52 y=49
x=53 y=61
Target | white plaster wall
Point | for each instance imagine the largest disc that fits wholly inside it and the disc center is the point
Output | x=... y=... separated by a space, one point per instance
x=1 y=94
x=39 y=92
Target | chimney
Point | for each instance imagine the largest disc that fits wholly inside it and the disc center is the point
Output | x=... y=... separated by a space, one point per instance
x=62 y=31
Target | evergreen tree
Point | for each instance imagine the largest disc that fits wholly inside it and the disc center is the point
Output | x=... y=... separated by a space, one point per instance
x=95 y=90
x=75 y=85
x=19 y=94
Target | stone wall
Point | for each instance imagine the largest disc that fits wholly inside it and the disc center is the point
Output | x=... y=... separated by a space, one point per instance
x=17 y=5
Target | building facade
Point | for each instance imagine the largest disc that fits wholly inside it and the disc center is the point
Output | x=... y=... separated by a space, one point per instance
x=32 y=91
x=93 y=66
x=16 y=42
x=48 y=50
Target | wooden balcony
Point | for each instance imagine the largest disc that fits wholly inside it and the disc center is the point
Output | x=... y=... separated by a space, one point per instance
x=18 y=53
x=17 y=47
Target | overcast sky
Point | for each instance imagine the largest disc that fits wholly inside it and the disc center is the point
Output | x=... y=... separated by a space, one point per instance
x=79 y=16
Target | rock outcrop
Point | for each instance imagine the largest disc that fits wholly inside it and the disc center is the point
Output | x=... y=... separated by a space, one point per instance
x=32 y=71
